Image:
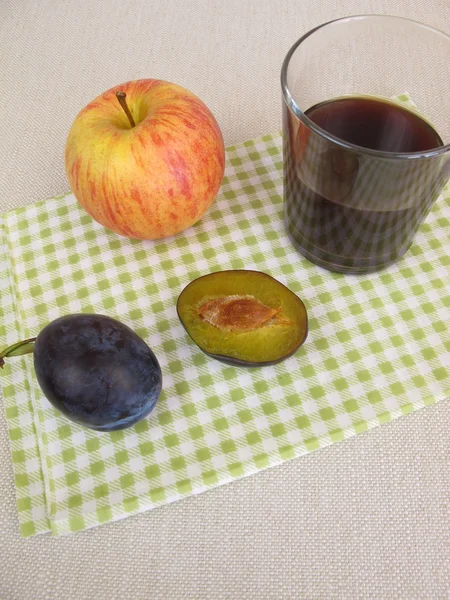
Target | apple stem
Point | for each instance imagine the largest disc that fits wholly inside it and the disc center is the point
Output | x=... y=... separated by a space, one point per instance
x=121 y=97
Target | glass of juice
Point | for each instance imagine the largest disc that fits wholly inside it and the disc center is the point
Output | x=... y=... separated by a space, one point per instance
x=366 y=138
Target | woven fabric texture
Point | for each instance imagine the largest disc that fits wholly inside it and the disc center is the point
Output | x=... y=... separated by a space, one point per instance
x=366 y=518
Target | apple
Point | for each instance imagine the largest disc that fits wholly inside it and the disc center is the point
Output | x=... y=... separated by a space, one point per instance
x=145 y=159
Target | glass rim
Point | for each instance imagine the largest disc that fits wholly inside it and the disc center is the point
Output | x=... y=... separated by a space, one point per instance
x=291 y=103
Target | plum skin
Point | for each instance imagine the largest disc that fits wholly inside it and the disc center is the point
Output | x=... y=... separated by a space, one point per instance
x=97 y=371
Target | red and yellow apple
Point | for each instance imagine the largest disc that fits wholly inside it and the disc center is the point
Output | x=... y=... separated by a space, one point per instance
x=145 y=159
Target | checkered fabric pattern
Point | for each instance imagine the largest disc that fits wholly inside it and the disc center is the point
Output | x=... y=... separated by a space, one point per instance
x=378 y=348
x=374 y=205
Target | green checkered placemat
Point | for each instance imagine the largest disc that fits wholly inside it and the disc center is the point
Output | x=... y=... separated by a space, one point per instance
x=378 y=347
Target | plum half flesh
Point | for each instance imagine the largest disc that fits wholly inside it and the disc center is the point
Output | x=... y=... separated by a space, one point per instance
x=243 y=317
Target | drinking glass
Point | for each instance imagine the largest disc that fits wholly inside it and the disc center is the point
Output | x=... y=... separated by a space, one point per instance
x=348 y=207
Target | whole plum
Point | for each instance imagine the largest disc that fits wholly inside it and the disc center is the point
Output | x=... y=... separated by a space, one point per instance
x=95 y=370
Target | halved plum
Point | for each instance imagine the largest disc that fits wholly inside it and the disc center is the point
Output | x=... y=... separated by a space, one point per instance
x=243 y=317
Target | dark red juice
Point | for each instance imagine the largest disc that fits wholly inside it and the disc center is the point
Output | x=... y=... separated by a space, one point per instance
x=350 y=210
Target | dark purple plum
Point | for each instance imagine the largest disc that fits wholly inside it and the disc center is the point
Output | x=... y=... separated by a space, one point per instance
x=97 y=371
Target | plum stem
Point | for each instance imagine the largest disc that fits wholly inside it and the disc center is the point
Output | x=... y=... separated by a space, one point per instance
x=17 y=349
x=121 y=97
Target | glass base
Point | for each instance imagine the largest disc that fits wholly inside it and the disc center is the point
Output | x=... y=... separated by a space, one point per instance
x=346 y=266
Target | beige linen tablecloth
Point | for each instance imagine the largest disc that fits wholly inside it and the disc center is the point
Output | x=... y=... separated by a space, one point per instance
x=366 y=518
